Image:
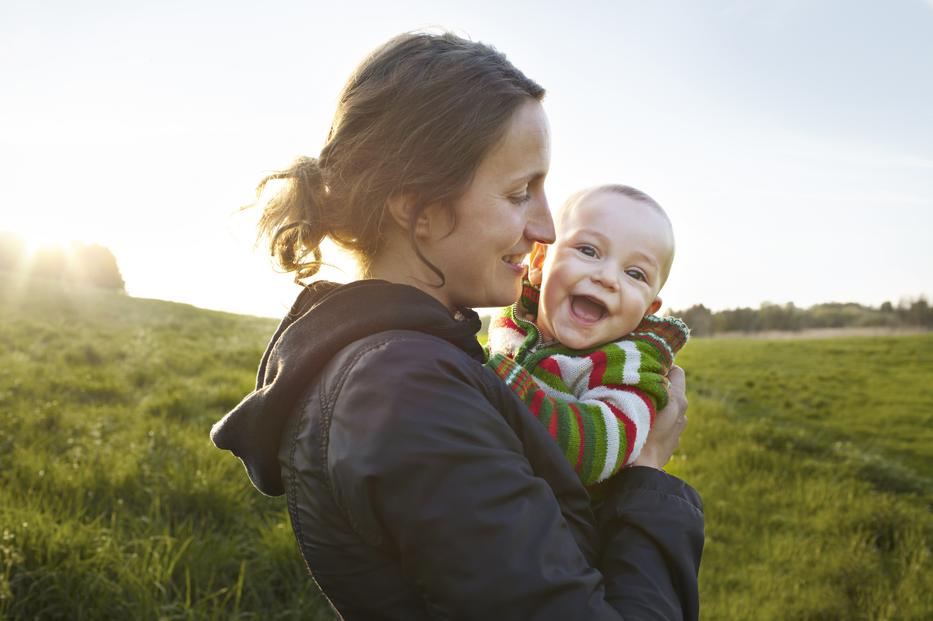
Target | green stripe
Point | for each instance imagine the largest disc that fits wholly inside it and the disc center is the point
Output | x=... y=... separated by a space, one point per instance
x=572 y=447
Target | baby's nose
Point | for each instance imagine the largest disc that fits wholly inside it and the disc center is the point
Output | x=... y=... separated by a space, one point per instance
x=606 y=277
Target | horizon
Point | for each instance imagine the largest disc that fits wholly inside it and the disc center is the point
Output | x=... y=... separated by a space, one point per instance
x=795 y=160
x=28 y=258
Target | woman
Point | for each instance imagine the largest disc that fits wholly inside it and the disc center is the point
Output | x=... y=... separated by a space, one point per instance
x=418 y=486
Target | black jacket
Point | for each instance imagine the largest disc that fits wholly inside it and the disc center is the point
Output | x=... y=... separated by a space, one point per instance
x=420 y=487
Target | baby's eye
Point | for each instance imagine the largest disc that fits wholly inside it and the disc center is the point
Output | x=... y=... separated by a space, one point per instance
x=637 y=275
x=588 y=250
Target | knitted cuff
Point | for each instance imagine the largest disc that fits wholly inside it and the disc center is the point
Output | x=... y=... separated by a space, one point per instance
x=513 y=374
x=667 y=334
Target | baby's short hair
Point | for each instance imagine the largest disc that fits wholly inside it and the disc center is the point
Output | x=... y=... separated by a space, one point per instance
x=635 y=194
x=627 y=190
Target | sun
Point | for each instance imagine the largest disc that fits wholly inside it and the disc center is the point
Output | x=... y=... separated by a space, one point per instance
x=34 y=237
x=33 y=250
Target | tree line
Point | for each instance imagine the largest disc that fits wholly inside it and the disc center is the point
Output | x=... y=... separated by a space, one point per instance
x=788 y=317
x=96 y=265
x=91 y=264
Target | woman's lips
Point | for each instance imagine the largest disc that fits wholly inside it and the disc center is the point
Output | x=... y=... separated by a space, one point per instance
x=514 y=261
x=586 y=310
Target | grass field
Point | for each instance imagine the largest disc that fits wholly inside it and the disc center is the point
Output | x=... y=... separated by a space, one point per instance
x=813 y=457
x=815 y=461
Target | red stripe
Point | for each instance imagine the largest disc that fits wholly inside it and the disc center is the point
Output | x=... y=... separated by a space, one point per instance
x=504 y=322
x=649 y=403
x=626 y=420
x=552 y=424
x=599 y=368
x=550 y=365
x=629 y=425
x=537 y=397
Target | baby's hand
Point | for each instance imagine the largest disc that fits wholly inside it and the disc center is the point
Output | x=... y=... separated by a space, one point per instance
x=533 y=275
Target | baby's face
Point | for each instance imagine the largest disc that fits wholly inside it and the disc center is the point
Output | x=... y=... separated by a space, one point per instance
x=604 y=272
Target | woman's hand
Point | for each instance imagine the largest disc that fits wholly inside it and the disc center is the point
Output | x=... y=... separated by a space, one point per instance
x=668 y=424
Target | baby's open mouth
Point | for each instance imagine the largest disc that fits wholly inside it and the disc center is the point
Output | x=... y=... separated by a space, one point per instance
x=587 y=309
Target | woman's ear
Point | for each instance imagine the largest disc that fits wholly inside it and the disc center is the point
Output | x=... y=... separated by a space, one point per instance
x=402 y=209
x=536 y=263
x=653 y=307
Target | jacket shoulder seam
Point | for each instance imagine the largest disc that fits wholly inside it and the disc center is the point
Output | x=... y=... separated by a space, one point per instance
x=328 y=396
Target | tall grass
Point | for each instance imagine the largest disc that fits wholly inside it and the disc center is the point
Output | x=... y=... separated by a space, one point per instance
x=813 y=458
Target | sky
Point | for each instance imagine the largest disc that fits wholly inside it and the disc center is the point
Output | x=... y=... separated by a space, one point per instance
x=791 y=142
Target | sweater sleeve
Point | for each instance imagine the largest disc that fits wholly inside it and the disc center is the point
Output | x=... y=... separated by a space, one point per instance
x=599 y=407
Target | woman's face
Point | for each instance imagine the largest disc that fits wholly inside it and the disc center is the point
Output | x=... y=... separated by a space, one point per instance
x=503 y=212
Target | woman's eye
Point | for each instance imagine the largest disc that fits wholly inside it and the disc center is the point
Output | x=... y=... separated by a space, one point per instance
x=588 y=251
x=524 y=197
x=637 y=275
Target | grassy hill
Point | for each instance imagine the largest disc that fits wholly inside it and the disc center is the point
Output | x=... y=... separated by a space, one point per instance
x=814 y=460
x=113 y=501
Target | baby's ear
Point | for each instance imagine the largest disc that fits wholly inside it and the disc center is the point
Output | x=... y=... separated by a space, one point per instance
x=536 y=263
x=653 y=307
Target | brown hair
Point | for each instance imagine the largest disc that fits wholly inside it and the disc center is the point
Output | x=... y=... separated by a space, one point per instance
x=415 y=119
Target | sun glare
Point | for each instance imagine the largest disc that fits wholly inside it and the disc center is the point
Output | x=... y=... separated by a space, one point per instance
x=42 y=244
x=36 y=235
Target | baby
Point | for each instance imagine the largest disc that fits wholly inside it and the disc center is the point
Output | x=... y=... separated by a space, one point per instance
x=582 y=346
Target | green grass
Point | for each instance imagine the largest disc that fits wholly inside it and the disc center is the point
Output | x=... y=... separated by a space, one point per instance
x=113 y=502
x=813 y=457
x=814 y=461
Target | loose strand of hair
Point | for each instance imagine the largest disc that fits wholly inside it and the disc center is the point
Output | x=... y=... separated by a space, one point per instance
x=295 y=219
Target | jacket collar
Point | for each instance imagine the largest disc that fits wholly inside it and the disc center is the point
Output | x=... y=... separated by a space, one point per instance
x=324 y=319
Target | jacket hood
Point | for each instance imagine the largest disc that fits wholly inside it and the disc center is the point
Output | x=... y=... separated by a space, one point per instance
x=325 y=318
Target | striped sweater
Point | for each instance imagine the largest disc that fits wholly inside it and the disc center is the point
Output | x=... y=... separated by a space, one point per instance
x=597 y=403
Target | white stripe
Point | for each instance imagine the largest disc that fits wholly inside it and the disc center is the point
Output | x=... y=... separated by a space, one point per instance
x=632 y=362
x=574 y=371
x=505 y=341
x=612 y=439
x=633 y=408
x=513 y=374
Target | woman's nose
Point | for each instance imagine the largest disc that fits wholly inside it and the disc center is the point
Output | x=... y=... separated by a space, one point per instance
x=540 y=225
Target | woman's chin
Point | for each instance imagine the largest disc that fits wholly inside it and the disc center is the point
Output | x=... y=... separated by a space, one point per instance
x=514 y=294
x=506 y=293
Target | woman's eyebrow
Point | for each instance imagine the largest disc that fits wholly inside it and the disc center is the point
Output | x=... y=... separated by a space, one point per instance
x=527 y=177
